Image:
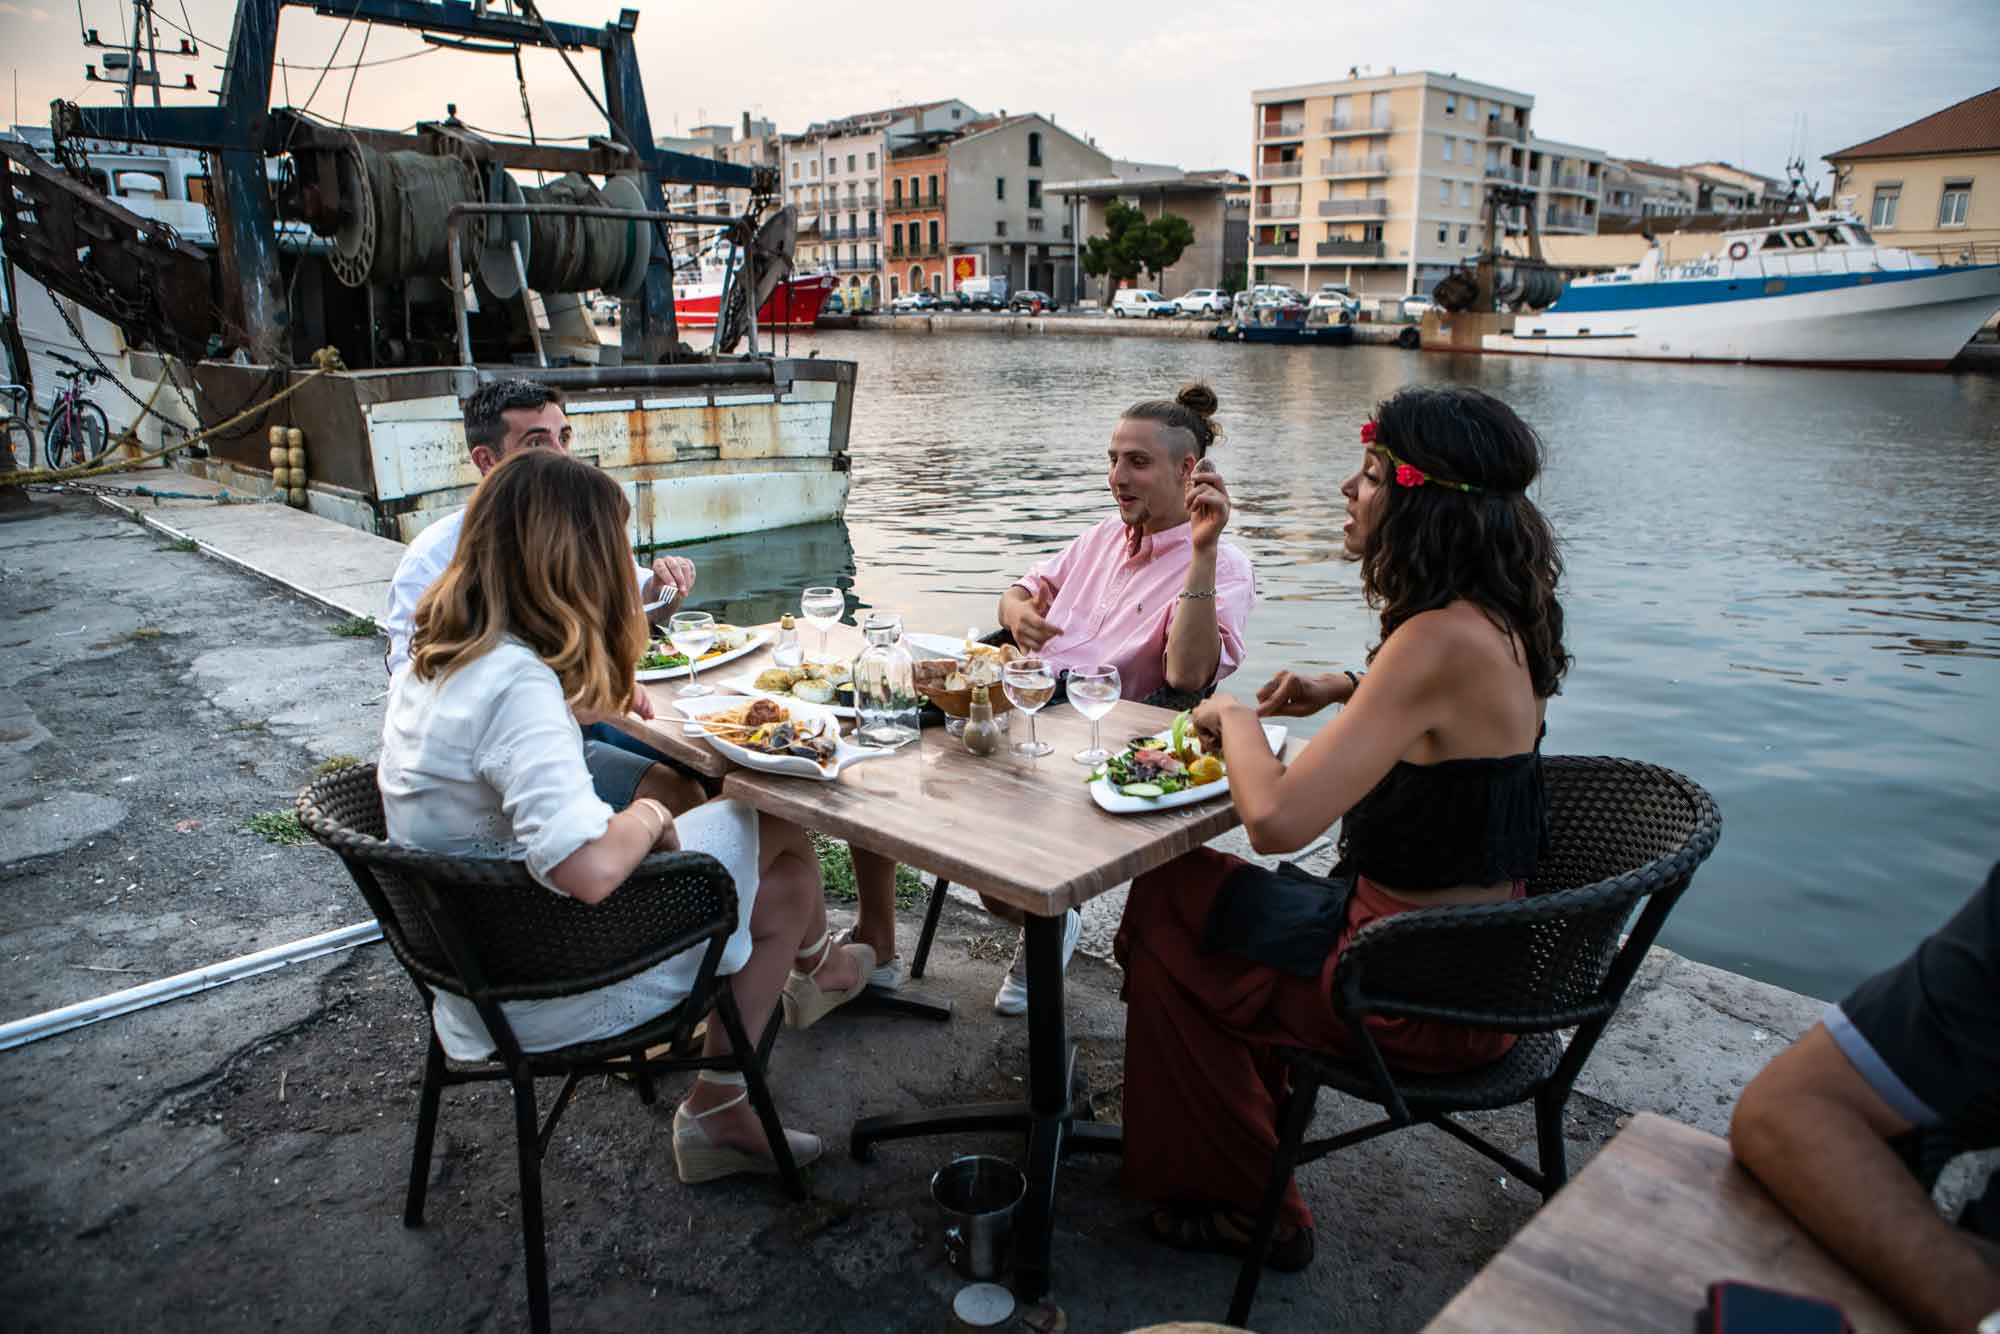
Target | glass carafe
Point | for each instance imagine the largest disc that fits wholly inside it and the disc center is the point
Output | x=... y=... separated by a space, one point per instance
x=885 y=695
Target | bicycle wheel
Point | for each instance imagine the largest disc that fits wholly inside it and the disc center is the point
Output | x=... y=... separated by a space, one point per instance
x=55 y=437
x=92 y=433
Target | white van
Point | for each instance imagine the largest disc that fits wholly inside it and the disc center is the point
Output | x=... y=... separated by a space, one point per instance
x=1142 y=301
x=986 y=289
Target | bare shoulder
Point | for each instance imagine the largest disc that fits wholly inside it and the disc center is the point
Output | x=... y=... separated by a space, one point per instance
x=1451 y=639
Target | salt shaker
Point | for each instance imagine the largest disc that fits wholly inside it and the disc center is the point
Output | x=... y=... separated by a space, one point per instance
x=786 y=651
x=982 y=734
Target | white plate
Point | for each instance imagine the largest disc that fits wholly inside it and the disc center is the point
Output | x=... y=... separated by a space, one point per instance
x=746 y=684
x=1111 y=799
x=935 y=646
x=844 y=754
x=758 y=638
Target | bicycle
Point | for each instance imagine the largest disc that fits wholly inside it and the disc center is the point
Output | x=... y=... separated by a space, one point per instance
x=77 y=428
x=16 y=433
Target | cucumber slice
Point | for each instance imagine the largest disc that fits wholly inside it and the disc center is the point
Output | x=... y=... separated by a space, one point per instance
x=1143 y=790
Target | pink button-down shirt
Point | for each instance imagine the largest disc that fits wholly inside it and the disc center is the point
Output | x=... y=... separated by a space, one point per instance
x=1117 y=609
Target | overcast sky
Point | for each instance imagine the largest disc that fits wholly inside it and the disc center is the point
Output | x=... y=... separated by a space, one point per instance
x=1157 y=80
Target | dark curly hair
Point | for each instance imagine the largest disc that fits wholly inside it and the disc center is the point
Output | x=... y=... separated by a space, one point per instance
x=1491 y=547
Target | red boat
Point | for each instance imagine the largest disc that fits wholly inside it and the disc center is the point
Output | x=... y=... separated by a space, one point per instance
x=794 y=303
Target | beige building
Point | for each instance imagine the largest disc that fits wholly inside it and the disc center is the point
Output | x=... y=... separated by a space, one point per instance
x=1000 y=220
x=1378 y=182
x=1636 y=188
x=1932 y=185
x=1216 y=205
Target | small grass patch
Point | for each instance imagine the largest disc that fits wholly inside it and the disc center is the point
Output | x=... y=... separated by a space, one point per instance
x=836 y=864
x=334 y=764
x=184 y=544
x=281 y=827
x=144 y=633
x=355 y=627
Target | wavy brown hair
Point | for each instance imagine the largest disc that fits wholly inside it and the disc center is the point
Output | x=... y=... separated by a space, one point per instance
x=1492 y=547
x=542 y=557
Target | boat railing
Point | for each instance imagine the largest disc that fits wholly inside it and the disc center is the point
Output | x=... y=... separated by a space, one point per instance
x=1959 y=253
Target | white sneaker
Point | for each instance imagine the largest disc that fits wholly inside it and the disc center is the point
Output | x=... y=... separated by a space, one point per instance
x=1012 y=998
x=888 y=975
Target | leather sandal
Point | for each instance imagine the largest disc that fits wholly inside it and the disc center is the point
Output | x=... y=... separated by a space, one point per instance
x=805 y=1002
x=697 y=1160
x=1193 y=1227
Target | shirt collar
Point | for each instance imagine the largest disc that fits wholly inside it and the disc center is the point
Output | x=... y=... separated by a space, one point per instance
x=1168 y=540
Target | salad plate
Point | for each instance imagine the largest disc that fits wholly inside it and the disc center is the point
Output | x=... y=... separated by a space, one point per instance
x=668 y=664
x=1151 y=785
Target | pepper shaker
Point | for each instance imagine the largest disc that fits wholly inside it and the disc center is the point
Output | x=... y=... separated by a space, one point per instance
x=982 y=734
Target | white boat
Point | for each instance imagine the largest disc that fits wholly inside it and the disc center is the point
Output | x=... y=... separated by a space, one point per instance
x=1815 y=291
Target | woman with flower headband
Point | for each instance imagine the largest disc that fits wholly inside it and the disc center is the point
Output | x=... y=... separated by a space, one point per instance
x=1433 y=768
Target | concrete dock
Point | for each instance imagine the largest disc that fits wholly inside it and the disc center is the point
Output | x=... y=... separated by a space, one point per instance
x=236 y=1160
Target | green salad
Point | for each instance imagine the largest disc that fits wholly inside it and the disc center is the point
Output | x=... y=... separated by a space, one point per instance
x=1155 y=767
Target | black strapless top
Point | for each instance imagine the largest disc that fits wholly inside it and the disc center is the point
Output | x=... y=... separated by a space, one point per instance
x=1456 y=822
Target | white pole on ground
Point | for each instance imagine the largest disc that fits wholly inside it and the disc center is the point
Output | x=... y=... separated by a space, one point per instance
x=51 y=1022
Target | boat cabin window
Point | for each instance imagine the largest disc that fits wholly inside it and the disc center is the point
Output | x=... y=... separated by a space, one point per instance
x=1774 y=241
x=1832 y=236
x=197 y=188
x=1801 y=240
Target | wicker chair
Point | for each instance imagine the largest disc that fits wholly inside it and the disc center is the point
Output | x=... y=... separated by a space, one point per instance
x=484 y=929
x=1621 y=832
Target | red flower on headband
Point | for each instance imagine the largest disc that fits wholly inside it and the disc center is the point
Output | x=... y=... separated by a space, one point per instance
x=1408 y=476
x=1367 y=433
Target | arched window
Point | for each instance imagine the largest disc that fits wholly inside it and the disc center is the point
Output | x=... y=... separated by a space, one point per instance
x=916 y=278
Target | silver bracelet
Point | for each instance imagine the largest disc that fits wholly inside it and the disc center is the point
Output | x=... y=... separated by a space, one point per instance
x=1206 y=593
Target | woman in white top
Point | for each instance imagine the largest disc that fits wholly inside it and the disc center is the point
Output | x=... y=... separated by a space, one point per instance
x=534 y=626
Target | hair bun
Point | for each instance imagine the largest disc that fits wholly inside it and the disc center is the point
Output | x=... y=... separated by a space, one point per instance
x=1197 y=398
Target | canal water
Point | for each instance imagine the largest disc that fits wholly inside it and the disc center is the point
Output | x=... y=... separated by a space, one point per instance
x=1784 y=583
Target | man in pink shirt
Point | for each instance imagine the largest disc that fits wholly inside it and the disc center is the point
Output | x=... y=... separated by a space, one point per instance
x=1154 y=592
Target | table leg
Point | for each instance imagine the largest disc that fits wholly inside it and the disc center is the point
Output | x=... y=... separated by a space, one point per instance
x=1049 y=1073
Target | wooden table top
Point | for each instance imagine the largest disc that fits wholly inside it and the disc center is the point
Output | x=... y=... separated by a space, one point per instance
x=1633 y=1242
x=1024 y=831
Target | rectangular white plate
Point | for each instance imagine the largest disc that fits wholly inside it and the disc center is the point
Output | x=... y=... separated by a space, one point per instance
x=935 y=646
x=758 y=638
x=1111 y=799
x=746 y=684
x=844 y=754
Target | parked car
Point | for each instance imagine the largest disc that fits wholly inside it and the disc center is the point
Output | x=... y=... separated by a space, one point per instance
x=833 y=305
x=1339 y=304
x=1027 y=299
x=1212 y=301
x=1416 y=307
x=986 y=291
x=915 y=301
x=1141 y=301
x=1267 y=294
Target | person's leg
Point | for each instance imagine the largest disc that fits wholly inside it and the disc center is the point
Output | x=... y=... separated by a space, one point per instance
x=875 y=886
x=621 y=776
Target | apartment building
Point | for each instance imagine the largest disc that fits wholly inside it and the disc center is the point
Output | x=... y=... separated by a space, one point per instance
x=1933 y=184
x=834 y=174
x=1001 y=218
x=1570 y=182
x=1216 y=205
x=915 y=203
x=1635 y=188
x=1721 y=188
x=1378 y=181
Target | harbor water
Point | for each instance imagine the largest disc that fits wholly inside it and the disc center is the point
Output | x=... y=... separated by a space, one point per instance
x=1784 y=583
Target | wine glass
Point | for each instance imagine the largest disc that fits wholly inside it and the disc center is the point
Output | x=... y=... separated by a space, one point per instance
x=822 y=606
x=692 y=634
x=1094 y=692
x=1029 y=683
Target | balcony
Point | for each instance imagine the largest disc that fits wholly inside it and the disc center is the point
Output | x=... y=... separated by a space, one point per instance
x=1498 y=171
x=1506 y=129
x=1350 y=249
x=856 y=264
x=1282 y=129
x=1577 y=222
x=912 y=204
x=1355 y=164
x=1275 y=250
x=1351 y=124
x=1277 y=171
x=1354 y=208
x=1575 y=184
x=1277 y=210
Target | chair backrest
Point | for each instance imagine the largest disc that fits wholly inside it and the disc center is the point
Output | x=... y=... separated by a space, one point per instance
x=483 y=927
x=1620 y=832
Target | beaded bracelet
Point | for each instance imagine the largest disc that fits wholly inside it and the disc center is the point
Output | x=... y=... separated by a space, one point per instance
x=1189 y=593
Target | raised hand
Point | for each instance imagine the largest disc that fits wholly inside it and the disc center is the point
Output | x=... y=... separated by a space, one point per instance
x=1207 y=498
x=1032 y=628
x=672 y=576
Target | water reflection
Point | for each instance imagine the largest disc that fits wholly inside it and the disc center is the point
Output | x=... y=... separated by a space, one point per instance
x=1784 y=583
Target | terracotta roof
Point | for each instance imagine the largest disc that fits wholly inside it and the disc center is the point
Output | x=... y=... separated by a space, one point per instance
x=1970 y=126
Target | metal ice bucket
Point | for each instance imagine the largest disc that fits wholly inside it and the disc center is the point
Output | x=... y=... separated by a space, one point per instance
x=976 y=1198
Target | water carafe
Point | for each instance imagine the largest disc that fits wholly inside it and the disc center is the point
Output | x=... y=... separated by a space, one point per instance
x=885 y=694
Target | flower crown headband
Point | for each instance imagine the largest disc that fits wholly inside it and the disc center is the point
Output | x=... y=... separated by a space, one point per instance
x=1408 y=474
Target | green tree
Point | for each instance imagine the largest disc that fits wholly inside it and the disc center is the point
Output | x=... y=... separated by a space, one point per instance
x=1162 y=243
x=1114 y=256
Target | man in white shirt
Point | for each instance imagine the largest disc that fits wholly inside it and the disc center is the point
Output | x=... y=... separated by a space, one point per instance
x=519 y=414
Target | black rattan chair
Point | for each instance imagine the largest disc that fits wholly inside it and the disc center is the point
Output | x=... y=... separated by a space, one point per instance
x=484 y=929
x=1621 y=832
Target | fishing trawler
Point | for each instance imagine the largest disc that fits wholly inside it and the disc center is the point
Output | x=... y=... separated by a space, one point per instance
x=1817 y=290
x=430 y=266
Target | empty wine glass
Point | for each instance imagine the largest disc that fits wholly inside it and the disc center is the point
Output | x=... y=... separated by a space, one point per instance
x=822 y=606
x=1094 y=693
x=692 y=634
x=1030 y=683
